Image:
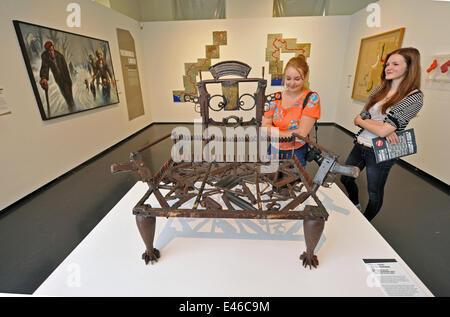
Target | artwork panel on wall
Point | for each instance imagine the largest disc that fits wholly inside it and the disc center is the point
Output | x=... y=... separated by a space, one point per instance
x=4 y=107
x=69 y=73
x=436 y=72
x=192 y=70
x=130 y=70
x=277 y=45
x=372 y=54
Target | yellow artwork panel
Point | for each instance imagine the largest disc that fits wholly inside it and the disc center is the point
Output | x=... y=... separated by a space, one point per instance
x=372 y=56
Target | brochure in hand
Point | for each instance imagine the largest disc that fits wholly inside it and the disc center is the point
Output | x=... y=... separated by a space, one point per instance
x=386 y=151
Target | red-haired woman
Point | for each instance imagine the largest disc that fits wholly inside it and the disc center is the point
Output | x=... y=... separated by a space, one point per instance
x=288 y=114
x=389 y=109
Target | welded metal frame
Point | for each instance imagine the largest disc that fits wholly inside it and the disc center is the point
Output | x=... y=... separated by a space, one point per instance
x=231 y=181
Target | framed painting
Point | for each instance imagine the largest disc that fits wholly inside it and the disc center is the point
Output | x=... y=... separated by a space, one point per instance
x=372 y=54
x=69 y=73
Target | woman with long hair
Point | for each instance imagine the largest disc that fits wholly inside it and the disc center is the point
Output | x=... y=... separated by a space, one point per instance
x=390 y=107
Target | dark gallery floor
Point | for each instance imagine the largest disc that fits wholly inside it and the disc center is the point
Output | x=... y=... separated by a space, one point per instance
x=38 y=232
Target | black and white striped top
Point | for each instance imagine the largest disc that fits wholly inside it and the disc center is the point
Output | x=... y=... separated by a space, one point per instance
x=401 y=113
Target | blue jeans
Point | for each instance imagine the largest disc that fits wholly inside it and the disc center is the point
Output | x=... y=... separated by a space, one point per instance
x=300 y=153
x=377 y=174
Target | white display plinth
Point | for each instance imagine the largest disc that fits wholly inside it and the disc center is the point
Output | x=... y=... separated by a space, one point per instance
x=224 y=257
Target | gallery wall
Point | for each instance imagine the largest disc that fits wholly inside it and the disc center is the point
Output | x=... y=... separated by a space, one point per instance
x=426 y=23
x=169 y=45
x=35 y=152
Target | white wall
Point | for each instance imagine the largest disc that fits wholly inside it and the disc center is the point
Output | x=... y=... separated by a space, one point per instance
x=168 y=45
x=34 y=152
x=426 y=24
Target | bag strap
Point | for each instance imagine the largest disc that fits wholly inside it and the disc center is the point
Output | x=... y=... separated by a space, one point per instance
x=305 y=102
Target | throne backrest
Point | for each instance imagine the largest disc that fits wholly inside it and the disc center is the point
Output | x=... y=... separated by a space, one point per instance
x=230 y=99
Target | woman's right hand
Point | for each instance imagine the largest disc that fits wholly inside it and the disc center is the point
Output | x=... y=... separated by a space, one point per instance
x=267 y=123
x=357 y=120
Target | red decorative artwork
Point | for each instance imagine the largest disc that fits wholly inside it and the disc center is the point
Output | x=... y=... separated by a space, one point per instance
x=433 y=66
x=444 y=67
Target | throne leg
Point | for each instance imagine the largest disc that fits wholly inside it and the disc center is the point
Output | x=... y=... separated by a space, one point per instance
x=146 y=226
x=313 y=228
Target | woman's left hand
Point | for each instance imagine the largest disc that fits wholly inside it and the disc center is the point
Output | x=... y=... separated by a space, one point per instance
x=392 y=138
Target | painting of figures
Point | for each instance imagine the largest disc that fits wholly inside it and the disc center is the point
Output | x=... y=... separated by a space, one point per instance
x=69 y=73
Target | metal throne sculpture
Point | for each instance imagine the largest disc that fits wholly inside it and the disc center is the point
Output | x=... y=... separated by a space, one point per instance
x=238 y=187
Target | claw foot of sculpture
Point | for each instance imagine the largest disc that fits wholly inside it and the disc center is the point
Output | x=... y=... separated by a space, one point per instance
x=313 y=228
x=309 y=260
x=152 y=256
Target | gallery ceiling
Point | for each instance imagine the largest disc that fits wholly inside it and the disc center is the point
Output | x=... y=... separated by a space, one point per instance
x=163 y=10
x=320 y=7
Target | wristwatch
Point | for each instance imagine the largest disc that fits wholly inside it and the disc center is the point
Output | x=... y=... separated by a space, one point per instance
x=365 y=115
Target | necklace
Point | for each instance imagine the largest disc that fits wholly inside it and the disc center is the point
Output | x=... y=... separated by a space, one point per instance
x=291 y=100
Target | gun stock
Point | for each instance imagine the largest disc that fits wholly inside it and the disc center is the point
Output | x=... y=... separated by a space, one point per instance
x=121 y=167
x=346 y=170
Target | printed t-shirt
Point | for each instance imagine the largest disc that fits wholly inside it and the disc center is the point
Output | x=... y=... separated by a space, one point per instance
x=289 y=118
